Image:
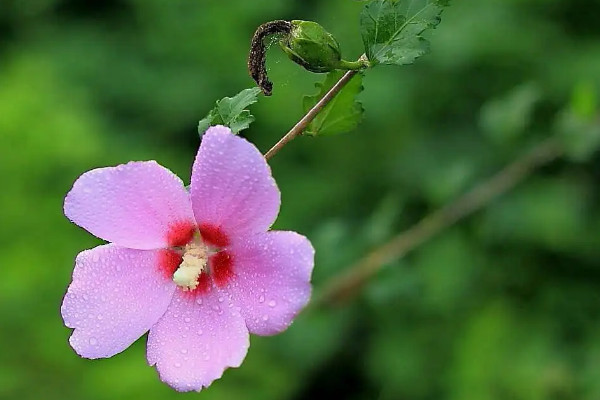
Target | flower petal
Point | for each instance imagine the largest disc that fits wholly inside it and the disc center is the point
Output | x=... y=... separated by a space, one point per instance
x=135 y=205
x=232 y=187
x=197 y=339
x=272 y=279
x=116 y=295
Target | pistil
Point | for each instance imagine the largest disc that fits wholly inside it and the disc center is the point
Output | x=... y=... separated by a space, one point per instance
x=193 y=264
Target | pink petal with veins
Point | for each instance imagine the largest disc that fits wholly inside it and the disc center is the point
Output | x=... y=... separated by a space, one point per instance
x=272 y=279
x=116 y=295
x=232 y=187
x=135 y=205
x=197 y=339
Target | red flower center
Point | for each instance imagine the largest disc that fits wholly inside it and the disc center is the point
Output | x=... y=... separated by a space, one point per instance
x=199 y=256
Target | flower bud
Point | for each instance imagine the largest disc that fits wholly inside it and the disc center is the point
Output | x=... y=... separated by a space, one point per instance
x=311 y=46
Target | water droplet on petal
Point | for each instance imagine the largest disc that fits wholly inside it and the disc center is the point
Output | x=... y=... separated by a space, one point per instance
x=272 y=303
x=184 y=351
x=265 y=317
x=199 y=301
x=261 y=299
x=187 y=319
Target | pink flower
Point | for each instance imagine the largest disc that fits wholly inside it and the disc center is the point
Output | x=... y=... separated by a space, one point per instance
x=198 y=270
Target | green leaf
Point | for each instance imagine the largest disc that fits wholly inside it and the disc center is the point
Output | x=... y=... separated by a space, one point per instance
x=392 y=29
x=231 y=111
x=343 y=113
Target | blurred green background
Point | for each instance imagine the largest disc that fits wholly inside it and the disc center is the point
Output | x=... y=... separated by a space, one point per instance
x=506 y=305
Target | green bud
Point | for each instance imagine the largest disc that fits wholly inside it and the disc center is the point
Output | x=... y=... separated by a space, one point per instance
x=312 y=47
x=306 y=43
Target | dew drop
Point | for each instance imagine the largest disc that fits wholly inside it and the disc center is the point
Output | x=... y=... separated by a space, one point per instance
x=200 y=332
x=261 y=299
x=265 y=317
x=272 y=303
x=184 y=351
x=187 y=319
x=199 y=301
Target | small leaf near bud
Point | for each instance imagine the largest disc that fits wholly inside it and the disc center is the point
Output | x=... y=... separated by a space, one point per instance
x=339 y=116
x=231 y=112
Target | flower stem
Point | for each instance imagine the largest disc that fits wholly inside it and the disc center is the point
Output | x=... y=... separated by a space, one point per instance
x=357 y=65
x=348 y=283
x=313 y=112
